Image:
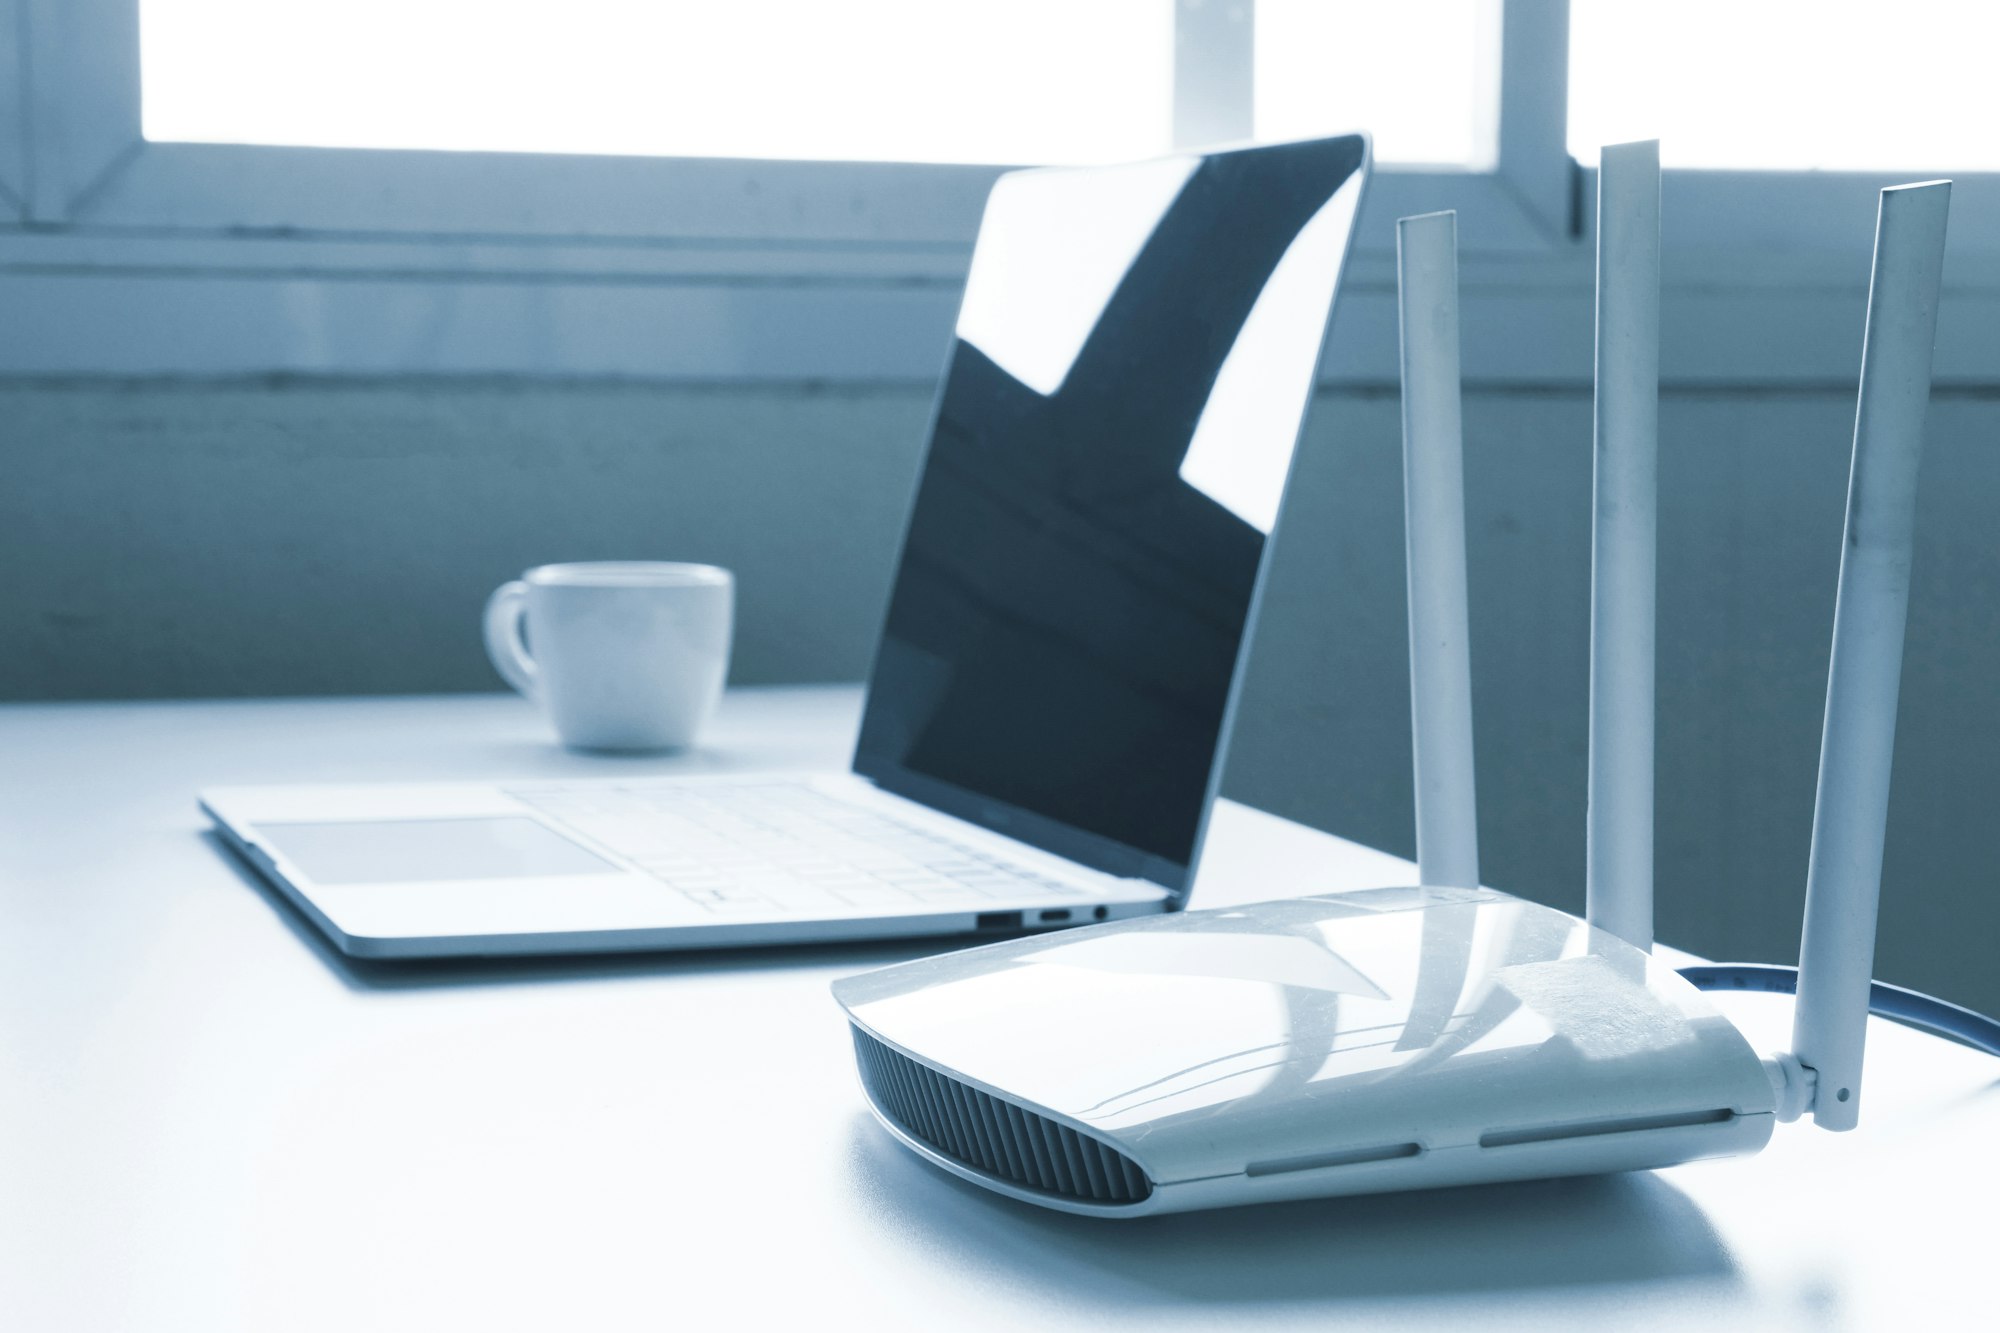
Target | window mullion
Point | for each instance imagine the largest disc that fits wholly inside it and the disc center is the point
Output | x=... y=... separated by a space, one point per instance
x=13 y=109
x=1530 y=133
x=1214 y=65
x=82 y=100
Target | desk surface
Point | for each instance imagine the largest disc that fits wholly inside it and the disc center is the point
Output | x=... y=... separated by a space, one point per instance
x=212 y=1121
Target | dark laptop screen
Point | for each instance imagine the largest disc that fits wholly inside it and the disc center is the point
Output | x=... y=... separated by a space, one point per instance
x=1133 y=359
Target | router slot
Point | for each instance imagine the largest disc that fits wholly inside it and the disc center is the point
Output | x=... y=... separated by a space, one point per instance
x=1387 y=1152
x=1587 y=1129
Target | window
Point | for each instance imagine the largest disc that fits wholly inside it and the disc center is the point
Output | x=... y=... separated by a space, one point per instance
x=1410 y=72
x=1848 y=85
x=865 y=80
x=1043 y=81
x=627 y=187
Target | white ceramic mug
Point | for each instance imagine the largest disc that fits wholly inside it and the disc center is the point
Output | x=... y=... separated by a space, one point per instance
x=626 y=655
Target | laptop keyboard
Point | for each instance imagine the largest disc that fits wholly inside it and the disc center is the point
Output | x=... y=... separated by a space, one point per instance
x=755 y=848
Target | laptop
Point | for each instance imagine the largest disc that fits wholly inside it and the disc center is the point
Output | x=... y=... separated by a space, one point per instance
x=1051 y=696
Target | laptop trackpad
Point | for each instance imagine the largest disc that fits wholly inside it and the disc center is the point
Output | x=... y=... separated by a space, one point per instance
x=413 y=850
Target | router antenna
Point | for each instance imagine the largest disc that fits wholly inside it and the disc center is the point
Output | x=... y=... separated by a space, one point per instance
x=1844 y=878
x=1434 y=524
x=1618 y=844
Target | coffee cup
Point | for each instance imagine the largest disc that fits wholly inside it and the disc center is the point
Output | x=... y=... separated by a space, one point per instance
x=621 y=655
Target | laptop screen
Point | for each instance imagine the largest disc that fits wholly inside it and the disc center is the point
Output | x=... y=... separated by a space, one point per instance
x=1132 y=362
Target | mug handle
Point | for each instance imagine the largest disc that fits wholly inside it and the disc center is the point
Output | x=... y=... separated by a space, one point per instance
x=504 y=645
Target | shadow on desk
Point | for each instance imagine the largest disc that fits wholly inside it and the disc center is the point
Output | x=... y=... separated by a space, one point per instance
x=1536 y=1235
x=368 y=974
x=1601 y=1232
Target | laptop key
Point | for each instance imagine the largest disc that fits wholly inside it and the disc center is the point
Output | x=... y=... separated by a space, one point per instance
x=941 y=897
x=873 y=895
x=739 y=907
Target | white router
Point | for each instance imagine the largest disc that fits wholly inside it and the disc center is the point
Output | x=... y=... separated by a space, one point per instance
x=1399 y=1039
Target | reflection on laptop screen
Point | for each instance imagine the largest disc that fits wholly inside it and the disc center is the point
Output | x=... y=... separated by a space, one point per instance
x=1133 y=360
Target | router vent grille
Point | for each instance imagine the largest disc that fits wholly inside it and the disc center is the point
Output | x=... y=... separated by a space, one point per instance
x=995 y=1136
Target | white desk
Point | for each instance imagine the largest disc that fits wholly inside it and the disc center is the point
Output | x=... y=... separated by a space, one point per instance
x=211 y=1121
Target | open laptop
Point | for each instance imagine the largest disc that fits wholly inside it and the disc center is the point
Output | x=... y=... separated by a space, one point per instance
x=1051 y=697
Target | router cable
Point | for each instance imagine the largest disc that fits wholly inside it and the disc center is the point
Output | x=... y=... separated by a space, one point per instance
x=1905 y=1006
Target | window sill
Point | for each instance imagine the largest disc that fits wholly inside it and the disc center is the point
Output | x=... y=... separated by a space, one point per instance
x=1766 y=280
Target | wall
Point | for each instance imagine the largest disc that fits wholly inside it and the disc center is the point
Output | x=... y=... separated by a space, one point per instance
x=271 y=537
x=1752 y=497
x=175 y=539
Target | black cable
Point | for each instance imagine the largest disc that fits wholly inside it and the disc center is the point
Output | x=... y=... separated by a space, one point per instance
x=1905 y=1006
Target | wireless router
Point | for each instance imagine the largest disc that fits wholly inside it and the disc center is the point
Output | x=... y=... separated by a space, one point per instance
x=1399 y=1039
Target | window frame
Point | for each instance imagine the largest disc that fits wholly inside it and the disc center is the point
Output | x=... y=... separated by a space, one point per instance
x=123 y=256
x=90 y=166
x=360 y=261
